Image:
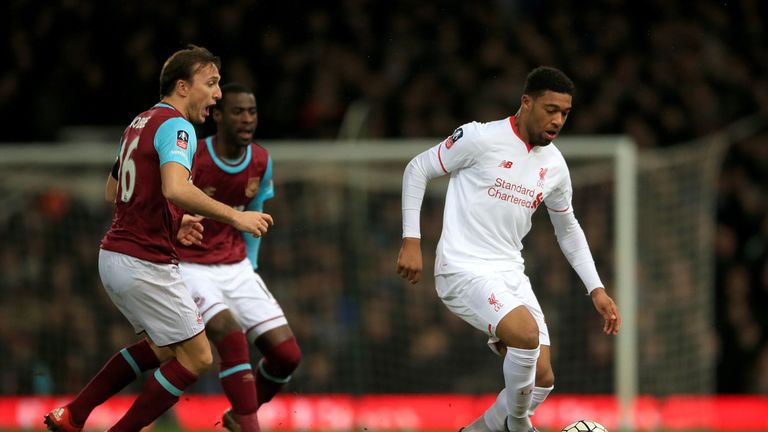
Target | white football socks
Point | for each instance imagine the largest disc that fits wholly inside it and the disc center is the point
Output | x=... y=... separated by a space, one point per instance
x=519 y=375
x=495 y=416
x=539 y=394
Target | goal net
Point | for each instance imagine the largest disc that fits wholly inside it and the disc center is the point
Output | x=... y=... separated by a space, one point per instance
x=330 y=261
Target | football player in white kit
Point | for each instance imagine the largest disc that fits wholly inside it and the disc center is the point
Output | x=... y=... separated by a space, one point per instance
x=501 y=172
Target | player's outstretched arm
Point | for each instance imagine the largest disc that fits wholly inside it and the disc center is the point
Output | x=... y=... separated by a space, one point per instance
x=607 y=309
x=178 y=190
x=409 y=262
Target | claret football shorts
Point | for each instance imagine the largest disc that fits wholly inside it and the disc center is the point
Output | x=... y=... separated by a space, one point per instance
x=216 y=287
x=484 y=299
x=152 y=296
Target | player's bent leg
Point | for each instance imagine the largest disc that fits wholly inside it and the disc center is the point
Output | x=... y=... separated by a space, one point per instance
x=122 y=369
x=281 y=356
x=545 y=379
x=194 y=354
x=519 y=331
x=163 y=388
x=235 y=372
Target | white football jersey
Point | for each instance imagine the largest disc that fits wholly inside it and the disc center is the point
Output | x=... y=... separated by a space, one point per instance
x=497 y=182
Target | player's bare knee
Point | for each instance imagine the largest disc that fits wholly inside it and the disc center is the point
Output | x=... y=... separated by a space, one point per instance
x=518 y=329
x=195 y=354
x=205 y=360
x=523 y=338
x=530 y=338
x=201 y=361
x=528 y=333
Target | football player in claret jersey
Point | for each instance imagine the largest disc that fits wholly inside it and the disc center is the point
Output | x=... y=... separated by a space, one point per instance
x=221 y=271
x=500 y=173
x=138 y=262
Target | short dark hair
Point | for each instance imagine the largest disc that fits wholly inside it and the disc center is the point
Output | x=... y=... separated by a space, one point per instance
x=545 y=78
x=232 y=88
x=182 y=65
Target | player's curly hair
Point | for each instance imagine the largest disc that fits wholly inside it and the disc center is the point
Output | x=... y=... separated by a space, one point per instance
x=182 y=65
x=545 y=78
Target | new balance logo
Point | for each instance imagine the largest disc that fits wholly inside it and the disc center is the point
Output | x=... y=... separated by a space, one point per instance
x=506 y=164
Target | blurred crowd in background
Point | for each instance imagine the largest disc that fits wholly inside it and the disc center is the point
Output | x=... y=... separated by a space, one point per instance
x=663 y=72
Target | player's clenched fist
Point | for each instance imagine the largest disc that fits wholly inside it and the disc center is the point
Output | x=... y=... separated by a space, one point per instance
x=409 y=263
x=254 y=222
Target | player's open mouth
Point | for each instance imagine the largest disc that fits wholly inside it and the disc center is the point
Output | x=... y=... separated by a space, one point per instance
x=550 y=135
x=245 y=134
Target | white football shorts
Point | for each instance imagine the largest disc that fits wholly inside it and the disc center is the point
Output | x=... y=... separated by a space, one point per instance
x=216 y=287
x=152 y=296
x=483 y=300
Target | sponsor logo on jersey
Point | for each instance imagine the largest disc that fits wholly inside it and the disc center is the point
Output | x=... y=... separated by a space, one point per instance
x=495 y=303
x=457 y=134
x=506 y=164
x=537 y=201
x=514 y=193
x=182 y=139
x=252 y=186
